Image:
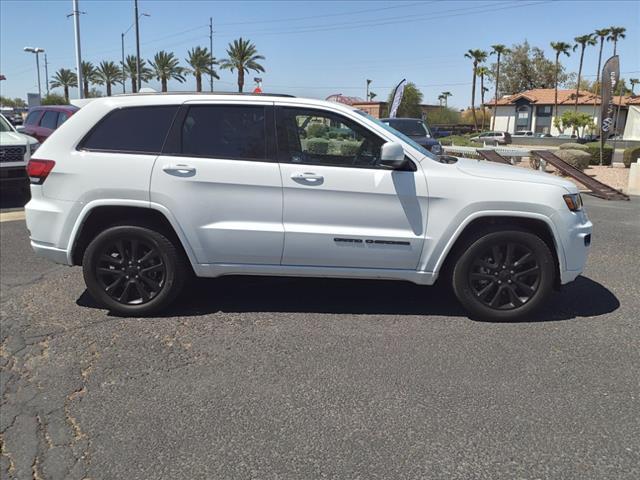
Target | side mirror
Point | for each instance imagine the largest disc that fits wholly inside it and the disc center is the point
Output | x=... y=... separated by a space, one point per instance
x=392 y=155
x=19 y=129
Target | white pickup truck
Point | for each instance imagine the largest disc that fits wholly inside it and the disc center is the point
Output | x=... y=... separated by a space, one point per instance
x=15 y=151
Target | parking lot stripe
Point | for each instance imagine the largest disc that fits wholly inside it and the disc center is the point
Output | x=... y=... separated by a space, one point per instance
x=11 y=216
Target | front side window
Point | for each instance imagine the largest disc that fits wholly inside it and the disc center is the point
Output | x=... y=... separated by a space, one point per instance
x=316 y=137
x=49 y=120
x=4 y=125
x=225 y=131
x=133 y=129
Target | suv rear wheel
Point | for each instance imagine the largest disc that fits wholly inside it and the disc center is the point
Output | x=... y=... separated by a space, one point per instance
x=504 y=275
x=133 y=270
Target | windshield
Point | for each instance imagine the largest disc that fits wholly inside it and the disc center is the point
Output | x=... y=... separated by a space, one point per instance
x=413 y=128
x=398 y=134
x=4 y=125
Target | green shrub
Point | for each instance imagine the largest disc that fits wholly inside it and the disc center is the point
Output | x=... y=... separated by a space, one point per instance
x=349 y=149
x=593 y=149
x=318 y=146
x=573 y=146
x=631 y=154
x=316 y=130
x=576 y=158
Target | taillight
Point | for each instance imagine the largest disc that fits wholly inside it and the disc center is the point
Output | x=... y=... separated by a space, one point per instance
x=38 y=170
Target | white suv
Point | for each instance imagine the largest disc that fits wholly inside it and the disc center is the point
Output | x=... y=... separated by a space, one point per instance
x=143 y=190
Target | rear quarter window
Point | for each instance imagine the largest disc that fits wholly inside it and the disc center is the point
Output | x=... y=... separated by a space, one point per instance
x=131 y=130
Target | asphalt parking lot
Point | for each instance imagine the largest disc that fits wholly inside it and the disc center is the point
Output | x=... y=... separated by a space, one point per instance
x=288 y=378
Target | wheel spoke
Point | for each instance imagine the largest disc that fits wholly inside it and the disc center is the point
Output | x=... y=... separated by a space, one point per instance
x=149 y=255
x=510 y=250
x=528 y=289
x=124 y=295
x=142 y=291
x=152 y=268
x=110 y=288
x=494 y=300
x=110 y=259
x=110 y=271
x=483 y=293
x=134 y=250
x=522 y=259
x=497 y=255
x=155 y=286
x=527 y=272
x=481 y=276
x=515 y=299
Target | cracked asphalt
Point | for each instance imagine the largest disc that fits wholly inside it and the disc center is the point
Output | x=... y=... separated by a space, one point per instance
x=297 y=379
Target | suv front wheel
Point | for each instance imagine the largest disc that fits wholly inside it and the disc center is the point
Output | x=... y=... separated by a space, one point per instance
x=504 y=275
x=133 y=270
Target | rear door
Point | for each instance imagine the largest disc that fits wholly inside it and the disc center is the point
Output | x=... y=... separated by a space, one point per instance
x=48 y=123
x=219 y=177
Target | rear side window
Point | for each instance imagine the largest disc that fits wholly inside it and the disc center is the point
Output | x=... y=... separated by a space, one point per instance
x=49 y=120
x=225 y=131
x=134 y=129
x=32 y=118
x=62 y=117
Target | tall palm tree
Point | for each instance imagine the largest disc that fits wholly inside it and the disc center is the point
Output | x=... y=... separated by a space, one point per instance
x=477 y=56
x=633 y=82
x=166 y=67
x=602 y=34
x=64 y=78
x=560 y=48
x=109 y=73
x=446 y=96
x=131 y=71
x=498 y=50
x=242 y=56
x=441 y=99
x=615 y=34
x=581 y=42
x=482 y=72
x=88 y=77
x=201 y=63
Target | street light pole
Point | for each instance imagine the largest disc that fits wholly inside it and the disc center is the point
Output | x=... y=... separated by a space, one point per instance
x=76 y=23
x=37 y=50
x=123 y=72
x=138 y=79
x=138 y=56
x=46 y=73
x=211 y=51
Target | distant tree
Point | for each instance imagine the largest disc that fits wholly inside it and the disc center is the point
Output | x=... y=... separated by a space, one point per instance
x=467 y=118
x=201 y=63
x=89 y=76
x=601 y=34
x=633 y=82
x=582 y=42
x=109 y=74
x=446 y=96
x=94 y=93
x=64 y=78
x=499 y=50
x=242 y=57
x=559 y=48
x=615 y=34
x=166 y=67
x=54 y=99
x=482 y=72
x=12 y=102
x=131 y=71
x=477 y=57
x=443 y=116
x=411 y=101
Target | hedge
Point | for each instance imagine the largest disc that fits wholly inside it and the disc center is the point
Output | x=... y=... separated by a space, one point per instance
x=316 y=130
x=458 y=140
x=631 y=154
x=349 y=149
x=593 y=149
x=318 y=145
x=576 y=158
x=573 y=146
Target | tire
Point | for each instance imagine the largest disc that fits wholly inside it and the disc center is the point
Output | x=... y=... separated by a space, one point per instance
x=511 y=288
x=143 y=261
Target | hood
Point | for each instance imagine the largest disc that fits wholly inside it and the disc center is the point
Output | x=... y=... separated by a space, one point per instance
x=15 y=138
x=488 y=169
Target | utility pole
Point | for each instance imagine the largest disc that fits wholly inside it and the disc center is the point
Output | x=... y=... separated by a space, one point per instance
x=138 y=79
x=123 y=72
x=76 y=22
x=211 y=51
x=46 y=73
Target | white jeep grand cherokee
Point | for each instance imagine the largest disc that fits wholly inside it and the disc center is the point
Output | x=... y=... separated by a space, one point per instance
x=142 y=190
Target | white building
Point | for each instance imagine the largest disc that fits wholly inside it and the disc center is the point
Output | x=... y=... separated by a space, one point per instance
x=533 y=110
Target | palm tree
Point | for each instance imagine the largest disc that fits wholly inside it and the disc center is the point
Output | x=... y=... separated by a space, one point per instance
x=446 y=96
x=131 y=71
x=581 y=42
x=560 y=48
x=109 y=73
x=477 y=56
x=166 y=67
x=615 y=34
x=602 y=35
x=88 y=77
x=64 y=78
x=499 y=50
x=242 y=56
x=441 y=99
x=201 y=62
x=482 y=72
x=633 y=82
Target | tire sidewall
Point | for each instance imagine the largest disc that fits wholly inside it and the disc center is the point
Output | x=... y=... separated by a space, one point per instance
x=464 y=292
x=111 y=235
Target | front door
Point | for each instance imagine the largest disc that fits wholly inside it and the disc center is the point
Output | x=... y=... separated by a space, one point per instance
x=219 y=177
x=341 y=207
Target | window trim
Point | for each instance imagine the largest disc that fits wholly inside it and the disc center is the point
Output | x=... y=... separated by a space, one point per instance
x=81 y=148
x=340 y=115
x=173 y=143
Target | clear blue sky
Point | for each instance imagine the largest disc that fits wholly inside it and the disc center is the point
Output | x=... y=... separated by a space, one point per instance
x=314 y=48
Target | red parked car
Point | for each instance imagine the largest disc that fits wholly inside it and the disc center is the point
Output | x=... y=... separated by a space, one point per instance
x=42 y=121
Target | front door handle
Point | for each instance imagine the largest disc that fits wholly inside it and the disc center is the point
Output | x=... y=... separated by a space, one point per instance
x=308 y=177
x=180 y=170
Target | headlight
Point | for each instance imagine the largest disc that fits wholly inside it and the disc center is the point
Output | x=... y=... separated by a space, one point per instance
x=34 y=146
x=436 y=149
x=573 y=201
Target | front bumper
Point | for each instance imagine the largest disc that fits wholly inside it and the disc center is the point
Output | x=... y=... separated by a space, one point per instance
x=576 y=243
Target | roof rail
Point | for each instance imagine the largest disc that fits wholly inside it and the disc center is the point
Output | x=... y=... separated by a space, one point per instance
x=248 y=94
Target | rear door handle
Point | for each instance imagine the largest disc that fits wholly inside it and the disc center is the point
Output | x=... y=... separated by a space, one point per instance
x=180 y=170
x=308 y=177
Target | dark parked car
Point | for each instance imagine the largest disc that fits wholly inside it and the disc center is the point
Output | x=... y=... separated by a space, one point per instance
x=417 y=130
x=42 y=121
